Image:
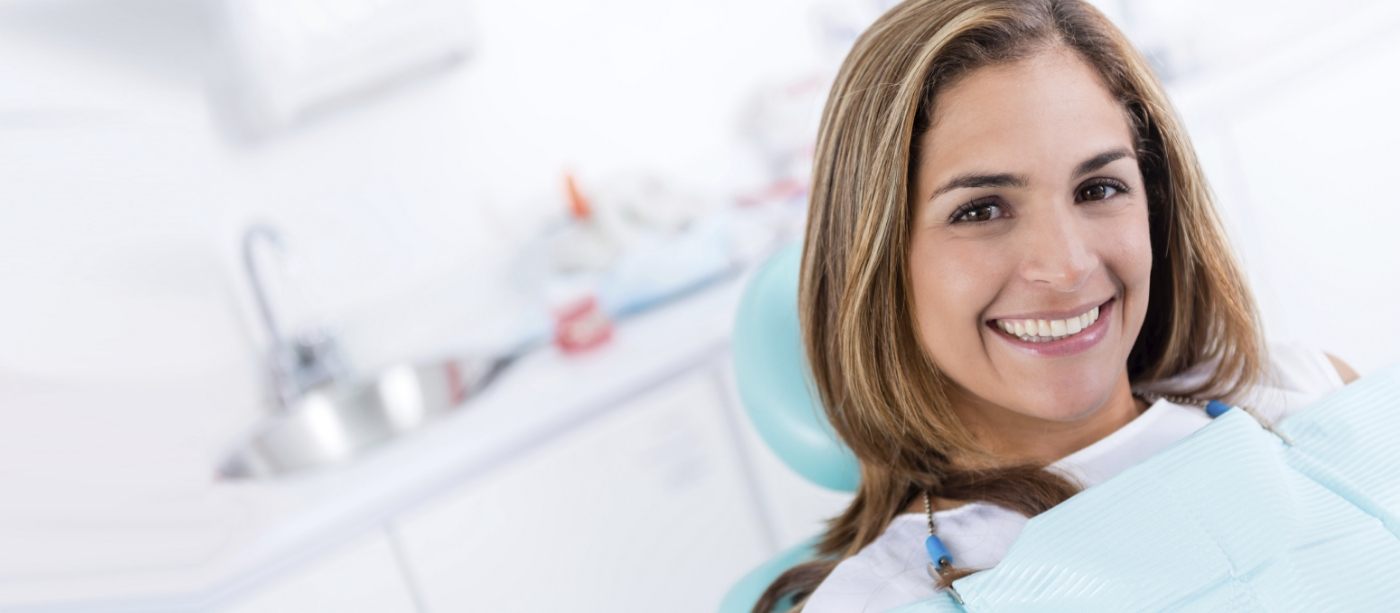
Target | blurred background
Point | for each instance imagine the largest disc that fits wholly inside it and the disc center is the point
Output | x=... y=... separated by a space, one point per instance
x=425 y=305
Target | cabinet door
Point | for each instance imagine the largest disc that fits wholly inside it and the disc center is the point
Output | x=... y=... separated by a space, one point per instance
x=644 y=508
x=363 y=576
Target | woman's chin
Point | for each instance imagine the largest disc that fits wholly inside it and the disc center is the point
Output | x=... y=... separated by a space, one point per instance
x=1064 y=404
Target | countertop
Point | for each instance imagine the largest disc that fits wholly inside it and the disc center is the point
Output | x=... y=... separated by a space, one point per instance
x=197 y=545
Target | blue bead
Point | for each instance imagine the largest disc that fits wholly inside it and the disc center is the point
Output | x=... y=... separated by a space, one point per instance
x=936 y=551
x=1216 y=408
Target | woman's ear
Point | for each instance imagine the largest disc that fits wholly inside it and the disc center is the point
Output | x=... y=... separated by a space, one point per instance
x=1343 y=369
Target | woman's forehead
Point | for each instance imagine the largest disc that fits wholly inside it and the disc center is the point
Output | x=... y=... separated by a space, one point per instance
x=1047 y=110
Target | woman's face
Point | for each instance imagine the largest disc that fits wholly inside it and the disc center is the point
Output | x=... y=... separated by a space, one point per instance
x=1029 y=210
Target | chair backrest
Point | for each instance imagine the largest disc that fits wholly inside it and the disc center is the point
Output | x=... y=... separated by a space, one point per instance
x=770 y=368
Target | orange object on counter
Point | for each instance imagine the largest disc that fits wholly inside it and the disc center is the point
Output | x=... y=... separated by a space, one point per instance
x=579 y=206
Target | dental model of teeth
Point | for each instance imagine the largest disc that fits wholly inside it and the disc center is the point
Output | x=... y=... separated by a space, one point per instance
x=1044 y=331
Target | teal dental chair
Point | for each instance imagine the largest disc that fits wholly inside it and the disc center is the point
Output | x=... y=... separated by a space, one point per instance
x=774 y=385
x=1234 y=517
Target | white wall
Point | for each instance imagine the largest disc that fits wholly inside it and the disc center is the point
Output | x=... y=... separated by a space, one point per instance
x=1295 y=137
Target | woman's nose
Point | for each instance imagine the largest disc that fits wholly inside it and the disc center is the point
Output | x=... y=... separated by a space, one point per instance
x=1058 y=253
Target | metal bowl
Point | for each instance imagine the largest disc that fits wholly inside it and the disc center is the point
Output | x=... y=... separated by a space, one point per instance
x=339 y=422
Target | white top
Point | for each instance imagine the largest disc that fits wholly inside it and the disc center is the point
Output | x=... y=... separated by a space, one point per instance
x=891 y=572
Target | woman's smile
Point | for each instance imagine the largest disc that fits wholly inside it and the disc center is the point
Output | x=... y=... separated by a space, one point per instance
x=1054 y=337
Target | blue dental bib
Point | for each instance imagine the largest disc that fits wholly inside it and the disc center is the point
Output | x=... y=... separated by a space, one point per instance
x=1229 y=519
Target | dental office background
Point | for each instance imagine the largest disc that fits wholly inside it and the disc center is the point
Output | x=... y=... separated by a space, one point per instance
x=554 y=203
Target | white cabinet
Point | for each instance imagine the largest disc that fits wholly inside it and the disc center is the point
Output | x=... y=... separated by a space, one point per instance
x=645 y=507
x=363 y=576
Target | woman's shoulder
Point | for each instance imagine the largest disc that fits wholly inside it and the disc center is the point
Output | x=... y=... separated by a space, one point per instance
x=1301 y=367
x=887 y=573
x=1295 y=375
x=892 y=571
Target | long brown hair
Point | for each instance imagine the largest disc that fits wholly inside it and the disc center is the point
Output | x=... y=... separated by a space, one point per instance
x=881 y=391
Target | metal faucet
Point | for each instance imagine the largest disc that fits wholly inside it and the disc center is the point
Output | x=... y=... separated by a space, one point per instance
x=302 y=361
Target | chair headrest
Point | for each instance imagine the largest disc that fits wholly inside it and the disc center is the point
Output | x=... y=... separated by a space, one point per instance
x=775 y=386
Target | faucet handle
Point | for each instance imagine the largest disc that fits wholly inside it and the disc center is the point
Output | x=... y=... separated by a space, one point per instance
x=298 y=362
x=308 y=360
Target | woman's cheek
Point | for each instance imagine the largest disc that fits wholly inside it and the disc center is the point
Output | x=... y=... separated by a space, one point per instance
x=1140 y=245
x=948 y=283
x=1133 y=264
x=1129 y=249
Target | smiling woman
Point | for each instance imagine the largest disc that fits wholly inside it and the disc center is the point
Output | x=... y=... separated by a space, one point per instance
x=1041 y=149
x=1012 y=260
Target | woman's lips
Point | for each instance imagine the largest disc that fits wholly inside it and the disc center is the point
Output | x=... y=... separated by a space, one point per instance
x=1076 y=343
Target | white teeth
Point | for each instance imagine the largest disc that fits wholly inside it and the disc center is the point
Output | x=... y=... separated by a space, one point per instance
x=1041 y=330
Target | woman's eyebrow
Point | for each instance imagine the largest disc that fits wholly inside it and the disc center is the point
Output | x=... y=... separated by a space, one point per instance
x=977 y=179
x=1099 y=161
x=973 y=179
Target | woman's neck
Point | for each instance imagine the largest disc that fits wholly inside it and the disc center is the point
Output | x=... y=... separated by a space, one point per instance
x=1045 y=442
x=1021 y=438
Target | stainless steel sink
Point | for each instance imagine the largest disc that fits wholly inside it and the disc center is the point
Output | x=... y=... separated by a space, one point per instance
x=338 y=422
x=325 y=414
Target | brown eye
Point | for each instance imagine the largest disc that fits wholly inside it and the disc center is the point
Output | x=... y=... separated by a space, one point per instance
x=978 y=212
x=1100 y=191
